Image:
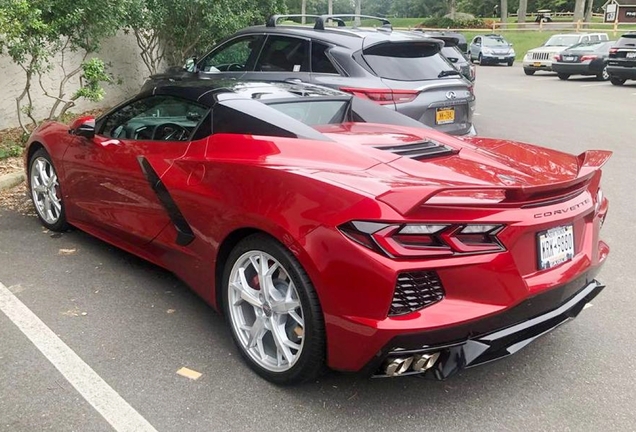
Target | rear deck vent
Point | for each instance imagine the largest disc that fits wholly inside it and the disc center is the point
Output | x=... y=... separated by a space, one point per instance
x=414 y=291
x=419 y=150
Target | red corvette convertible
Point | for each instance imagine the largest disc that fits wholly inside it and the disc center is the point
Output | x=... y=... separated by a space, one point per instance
x=330 y=231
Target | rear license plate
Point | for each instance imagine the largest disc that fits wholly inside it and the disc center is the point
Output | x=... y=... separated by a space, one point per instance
x=630 y=55
x=444 y=115
x=536 y=64
x=568 y=58
x=555 y=246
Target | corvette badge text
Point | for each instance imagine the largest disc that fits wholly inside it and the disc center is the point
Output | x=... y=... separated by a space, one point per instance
x=562 y=211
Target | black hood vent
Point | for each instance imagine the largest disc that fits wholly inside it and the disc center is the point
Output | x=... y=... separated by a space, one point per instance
x=419 y=150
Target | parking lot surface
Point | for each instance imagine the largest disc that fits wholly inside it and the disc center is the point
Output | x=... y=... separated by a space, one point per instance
x=133 y=325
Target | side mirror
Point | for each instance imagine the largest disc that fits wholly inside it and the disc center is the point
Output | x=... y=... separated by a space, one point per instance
x=190 y=64
x=84 y=127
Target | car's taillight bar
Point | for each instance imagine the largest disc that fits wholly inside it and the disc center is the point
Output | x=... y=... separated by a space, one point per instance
x=589 y=57
x=383 y=96
x=424 y=240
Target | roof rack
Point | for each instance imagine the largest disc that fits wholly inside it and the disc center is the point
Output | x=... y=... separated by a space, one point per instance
x=320 y=22
x=272 y=21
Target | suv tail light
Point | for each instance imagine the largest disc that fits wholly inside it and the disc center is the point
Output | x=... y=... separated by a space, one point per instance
x=383 y=96
x=557 y=57
x=425 y=240
x=613 y=50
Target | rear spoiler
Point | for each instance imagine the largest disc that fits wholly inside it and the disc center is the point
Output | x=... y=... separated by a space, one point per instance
x=410 y=198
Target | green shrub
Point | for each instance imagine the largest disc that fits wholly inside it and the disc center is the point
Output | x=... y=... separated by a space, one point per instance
x=445 y=22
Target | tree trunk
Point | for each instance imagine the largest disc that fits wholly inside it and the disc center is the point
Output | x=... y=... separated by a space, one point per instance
x=330 y=7
x=579 y=10
x=358 y=8
x=588 y=11
x=303 y=10
x=523 y=8
x=452 y=6
x=504 y=11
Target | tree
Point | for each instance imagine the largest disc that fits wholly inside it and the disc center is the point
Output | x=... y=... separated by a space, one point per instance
x=504 y=11
x=34 y=32
x=523 y=9
x=170 y=31
x=579 y=10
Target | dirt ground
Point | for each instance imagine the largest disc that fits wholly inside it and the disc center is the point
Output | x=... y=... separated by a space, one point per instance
x=10 y=165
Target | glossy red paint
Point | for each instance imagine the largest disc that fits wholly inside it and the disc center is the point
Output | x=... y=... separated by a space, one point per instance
x=299 y=192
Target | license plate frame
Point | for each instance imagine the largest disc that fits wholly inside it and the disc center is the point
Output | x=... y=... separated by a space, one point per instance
x=536 y=64
x=569 y=58
x=445 y=115
x=630 y=55
x=555 y=246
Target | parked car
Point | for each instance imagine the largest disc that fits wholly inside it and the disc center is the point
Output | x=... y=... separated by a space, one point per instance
x=329 y=230
x=462 y=43
x=541 y=58
x=400 y=70
x=491 y=49
x=583 y=59
x=453 y=53
x=621 y=64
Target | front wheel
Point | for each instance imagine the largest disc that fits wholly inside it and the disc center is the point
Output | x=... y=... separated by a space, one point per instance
x=46 y=192
x=273 y=311
x=528 y=71
x=617 y=81
x=480 y=60
x=511 y=62
x=563 y=76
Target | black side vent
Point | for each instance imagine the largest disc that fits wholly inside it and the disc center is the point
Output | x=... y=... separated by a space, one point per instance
x=419 y=150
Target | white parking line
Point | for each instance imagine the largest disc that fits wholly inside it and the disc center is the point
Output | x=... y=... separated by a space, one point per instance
x=594 y=85
x=121 y=416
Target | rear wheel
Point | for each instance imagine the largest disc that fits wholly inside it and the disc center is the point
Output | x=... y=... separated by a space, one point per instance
x=617 y=81
x=528 y=71
x=46 y=192
x=273 y=311
x=563 y=76
x=604 y=75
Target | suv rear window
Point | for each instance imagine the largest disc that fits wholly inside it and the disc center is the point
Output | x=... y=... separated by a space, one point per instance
x=628 y=40
x=406 y=62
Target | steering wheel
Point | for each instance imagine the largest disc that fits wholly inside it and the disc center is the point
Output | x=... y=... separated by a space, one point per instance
x=235 y=67
x=170 y=132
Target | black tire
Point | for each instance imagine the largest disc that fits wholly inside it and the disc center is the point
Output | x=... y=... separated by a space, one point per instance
x=311 y=363
x=528 y=71
x=563 y=76
x=617 y=81
x=511 y=62
x=603 y=76
x=480 y=60
x=60 y=224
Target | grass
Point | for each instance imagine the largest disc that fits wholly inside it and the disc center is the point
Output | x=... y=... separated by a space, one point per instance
x=521 y=41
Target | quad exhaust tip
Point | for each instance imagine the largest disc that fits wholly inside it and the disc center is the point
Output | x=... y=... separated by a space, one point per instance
x=415 y=364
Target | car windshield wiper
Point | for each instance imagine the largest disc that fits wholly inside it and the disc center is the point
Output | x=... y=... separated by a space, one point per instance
x=446 y=73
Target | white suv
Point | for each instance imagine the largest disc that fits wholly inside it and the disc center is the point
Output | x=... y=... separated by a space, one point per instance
x=541 y=58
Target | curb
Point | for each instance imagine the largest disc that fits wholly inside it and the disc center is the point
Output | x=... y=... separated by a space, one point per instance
x=10 y=180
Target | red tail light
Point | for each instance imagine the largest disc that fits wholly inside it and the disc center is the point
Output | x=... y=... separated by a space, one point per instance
x=383 y=96
x=613 y=50
x=589 y=57
x=424 y=240
x=557 y=57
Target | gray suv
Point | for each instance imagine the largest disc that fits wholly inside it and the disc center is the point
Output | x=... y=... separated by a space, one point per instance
x=402 y=71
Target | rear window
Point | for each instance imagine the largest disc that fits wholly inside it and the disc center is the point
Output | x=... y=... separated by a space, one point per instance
x=406 y=62
x=313 y=113
x=627 y=40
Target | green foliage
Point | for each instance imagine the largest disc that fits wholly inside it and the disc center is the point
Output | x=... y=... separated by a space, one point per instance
x=10 y=149
x=444 y=22
x=94 y=74
x=187 y=28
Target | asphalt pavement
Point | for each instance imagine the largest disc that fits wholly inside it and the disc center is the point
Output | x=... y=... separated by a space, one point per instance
x=133 y=325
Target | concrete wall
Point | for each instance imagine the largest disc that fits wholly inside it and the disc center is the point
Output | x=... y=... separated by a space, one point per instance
x=121 y=52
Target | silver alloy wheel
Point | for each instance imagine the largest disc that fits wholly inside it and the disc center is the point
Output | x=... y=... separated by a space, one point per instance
x=605 y=74
x=45 y=190
x=265 y=311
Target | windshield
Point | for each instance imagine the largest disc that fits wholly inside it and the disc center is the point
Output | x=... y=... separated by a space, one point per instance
x=312 y=113
x=562 y=40
x=495 y=42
